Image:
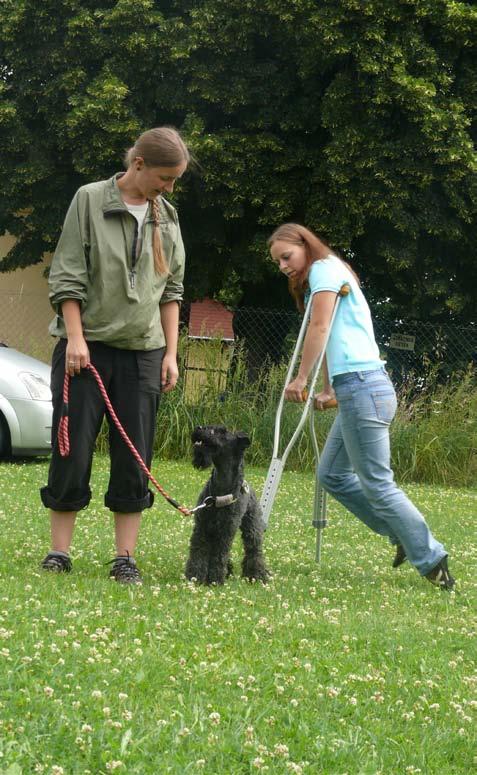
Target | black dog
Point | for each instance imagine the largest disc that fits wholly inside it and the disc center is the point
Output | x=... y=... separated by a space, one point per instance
x=230 y=504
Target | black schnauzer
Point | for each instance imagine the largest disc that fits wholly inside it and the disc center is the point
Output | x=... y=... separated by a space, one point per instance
x=230 y=504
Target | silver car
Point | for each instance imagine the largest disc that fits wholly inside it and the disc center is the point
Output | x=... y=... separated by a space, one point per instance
x=25 y=404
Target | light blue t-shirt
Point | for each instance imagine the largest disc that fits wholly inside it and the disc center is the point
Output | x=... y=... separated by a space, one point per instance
x=351 y=346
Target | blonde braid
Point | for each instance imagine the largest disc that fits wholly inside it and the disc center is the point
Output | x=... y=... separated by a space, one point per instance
x=160 y=263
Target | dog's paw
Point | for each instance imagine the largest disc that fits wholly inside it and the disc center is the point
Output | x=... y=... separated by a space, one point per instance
x=215 y=581
x=196 y=577
x=253 y=573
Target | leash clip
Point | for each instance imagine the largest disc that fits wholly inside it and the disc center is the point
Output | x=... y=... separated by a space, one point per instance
x=219 y=501
x=206 y=504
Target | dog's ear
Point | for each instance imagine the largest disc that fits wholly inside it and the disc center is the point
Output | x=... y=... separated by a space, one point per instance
x=243 y=441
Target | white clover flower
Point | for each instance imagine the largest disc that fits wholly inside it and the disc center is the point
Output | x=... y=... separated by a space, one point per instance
x=48 y=691
x=296 y=768
x=214 y=718
x=281 y=749
x=96 y=694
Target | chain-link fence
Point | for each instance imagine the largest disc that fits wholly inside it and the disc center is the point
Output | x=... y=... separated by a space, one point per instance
x=24 y=321
x=268 y=337
x=265 y=336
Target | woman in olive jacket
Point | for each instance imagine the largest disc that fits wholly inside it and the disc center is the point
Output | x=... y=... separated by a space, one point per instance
x=116 y=285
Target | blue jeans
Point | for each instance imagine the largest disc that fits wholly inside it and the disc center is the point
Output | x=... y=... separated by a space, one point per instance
x=355 y=466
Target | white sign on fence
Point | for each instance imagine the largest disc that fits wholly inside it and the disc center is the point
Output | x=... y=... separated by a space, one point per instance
x=402 y=342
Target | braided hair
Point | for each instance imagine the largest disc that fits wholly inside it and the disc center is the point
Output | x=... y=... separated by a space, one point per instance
x=160 y=262
x=159 y=147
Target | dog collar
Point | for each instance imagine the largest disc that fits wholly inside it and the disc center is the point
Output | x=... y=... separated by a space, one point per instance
x=219 y=501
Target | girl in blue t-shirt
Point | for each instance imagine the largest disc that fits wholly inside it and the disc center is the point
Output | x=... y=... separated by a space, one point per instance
x=355 y=465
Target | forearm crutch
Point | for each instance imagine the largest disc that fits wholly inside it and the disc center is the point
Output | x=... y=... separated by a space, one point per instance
x=278 y=463
x=319 y=520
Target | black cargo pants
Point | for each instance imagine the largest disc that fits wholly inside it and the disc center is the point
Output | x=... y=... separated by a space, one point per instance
x=132 y=379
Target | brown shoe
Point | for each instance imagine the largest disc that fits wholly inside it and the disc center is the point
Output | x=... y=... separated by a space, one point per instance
x=399 y=557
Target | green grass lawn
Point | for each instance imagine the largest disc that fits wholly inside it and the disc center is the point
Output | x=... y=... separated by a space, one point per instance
x=348 y=668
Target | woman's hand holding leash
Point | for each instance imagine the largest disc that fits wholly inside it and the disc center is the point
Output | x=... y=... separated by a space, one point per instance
x=77 y=355
x=77 y=352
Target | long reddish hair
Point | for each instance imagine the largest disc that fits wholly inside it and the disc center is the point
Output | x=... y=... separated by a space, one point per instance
x=315 y=250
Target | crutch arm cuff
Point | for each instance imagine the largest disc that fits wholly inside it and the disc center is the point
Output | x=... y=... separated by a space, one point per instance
x=319 y=523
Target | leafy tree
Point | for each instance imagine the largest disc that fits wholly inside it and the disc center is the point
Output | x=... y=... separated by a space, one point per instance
x=356 y=117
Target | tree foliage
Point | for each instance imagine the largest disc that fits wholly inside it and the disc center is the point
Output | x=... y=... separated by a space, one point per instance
x=357 y=118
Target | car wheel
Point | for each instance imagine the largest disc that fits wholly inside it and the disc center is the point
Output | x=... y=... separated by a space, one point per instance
x=5 y=448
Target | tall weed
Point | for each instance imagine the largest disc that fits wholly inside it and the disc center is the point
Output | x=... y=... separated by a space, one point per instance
x=433 y=437
x=434 y=434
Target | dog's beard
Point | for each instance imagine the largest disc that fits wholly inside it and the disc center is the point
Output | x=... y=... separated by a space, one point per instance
x=202 y=457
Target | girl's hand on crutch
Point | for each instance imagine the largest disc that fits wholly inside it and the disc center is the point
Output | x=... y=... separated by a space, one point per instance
x=326 y=399
x=295 y=391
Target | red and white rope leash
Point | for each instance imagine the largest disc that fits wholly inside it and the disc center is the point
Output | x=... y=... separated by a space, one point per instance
x=64 y=441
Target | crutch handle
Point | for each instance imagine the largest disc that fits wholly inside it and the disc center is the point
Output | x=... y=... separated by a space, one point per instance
x=331 y=404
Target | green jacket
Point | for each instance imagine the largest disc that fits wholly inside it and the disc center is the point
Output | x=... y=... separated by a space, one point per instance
x=95 y=262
